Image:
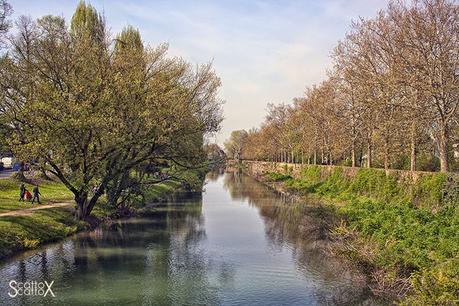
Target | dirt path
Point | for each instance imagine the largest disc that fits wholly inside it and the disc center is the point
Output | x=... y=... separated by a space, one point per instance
x=28 y=211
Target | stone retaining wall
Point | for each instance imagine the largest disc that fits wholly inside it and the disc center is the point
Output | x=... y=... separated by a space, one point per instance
x=260 y=168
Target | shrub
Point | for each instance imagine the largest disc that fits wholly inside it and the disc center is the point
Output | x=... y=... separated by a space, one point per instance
x=277 y=177
x=413 y=226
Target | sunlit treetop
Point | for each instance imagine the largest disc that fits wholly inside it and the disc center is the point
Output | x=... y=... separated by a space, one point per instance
x=129 y=38
x=87 y=22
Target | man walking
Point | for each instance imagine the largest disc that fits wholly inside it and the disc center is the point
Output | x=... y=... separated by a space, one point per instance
x=22 y=191
x=36 y=194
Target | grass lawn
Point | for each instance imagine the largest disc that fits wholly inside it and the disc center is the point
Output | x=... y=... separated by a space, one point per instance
x=161 y=191
x=29 y=231
x=19 y=233
x=50 y=192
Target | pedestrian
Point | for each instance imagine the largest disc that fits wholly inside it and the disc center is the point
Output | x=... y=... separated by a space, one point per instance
x=22 y=191
x=36 y=194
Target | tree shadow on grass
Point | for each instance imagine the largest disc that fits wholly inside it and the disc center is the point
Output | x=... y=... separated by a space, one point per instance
x=44 y=226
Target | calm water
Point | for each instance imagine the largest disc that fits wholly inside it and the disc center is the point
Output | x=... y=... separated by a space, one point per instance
x=238 y=244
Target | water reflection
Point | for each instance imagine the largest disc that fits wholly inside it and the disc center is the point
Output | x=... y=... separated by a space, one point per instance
x=302 y=227
x=240 y=244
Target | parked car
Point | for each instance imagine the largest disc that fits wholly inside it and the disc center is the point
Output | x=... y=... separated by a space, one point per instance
x=1 y=166
x=8 y=162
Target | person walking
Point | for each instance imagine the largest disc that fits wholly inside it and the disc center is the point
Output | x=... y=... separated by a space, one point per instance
x=36 y=194
x=22 y=191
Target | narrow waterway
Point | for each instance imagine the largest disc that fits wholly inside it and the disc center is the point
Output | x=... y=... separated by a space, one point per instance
x=238 y=244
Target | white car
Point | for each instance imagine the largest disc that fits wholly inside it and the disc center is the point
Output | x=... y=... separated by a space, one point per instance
x=8 y=162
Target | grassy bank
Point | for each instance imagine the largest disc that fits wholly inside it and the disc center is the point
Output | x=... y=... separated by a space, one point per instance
x=53 y=192
x=404 y=233
x=18 y=233
x=31 y=230
x=28 y=231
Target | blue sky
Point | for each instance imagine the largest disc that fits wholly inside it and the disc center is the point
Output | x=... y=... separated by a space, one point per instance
x=263 y=50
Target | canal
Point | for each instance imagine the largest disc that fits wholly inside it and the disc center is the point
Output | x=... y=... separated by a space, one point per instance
x=239 y=243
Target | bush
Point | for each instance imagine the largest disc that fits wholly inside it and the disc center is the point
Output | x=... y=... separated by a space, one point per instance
x=436 y=286
x=277 y=177
x=413 y=226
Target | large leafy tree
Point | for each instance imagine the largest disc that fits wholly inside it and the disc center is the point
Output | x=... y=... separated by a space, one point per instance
x=95 y=113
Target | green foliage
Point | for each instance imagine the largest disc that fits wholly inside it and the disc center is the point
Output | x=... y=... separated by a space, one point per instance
x=436 y=286
x=235 y=144
x=277 y=177
x=309 y=180
x=129 y=38
x=429 y=190
x=414 y=226
x=335 y=183
x=103 y=109
x=449 y=194
x=428 y=162
x=160 y=192
x=408 y=238
x=311 y=174
x=87 y=23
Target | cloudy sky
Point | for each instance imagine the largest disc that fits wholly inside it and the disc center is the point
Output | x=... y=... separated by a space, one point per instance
x=263 y=50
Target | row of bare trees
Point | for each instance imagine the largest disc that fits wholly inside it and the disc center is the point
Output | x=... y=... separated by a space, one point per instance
x=391 y=99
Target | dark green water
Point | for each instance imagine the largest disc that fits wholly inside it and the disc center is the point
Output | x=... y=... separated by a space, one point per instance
x=238 y=244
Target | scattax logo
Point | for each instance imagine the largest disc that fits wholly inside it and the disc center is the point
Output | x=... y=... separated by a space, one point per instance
x=30 y=288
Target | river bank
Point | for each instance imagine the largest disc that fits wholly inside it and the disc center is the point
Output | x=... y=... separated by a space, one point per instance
x=31 y=229
x=399 y=228
x=239 y=243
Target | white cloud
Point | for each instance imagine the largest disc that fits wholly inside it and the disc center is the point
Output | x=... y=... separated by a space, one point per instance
x=264 y=51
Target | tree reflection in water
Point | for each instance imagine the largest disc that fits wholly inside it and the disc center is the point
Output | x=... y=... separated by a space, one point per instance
x=141 y=261
x=303 y=227
x=174 y=257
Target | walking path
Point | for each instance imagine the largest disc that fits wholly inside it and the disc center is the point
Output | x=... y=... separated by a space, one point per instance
x=27 y=211
x=4 y=174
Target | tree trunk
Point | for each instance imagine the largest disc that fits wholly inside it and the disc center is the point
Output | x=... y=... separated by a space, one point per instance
x=413 y=148
x=20 y=175
x=322 y=155
x=85 y=205
x=353 y=153
x=369 y=153
x=82 y=202
x=443 y=151
x=94 y=199
x=386 y=154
